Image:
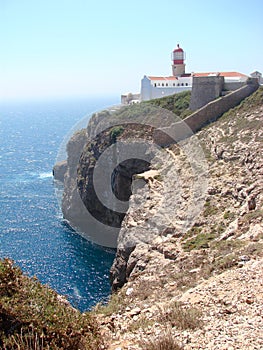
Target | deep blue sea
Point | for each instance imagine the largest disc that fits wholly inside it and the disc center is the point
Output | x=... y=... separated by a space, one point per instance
x=32 y=231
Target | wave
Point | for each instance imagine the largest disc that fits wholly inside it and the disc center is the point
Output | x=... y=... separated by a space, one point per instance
x=25 y=177
x=45 y=175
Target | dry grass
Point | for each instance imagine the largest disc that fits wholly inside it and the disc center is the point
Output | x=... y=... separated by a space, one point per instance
x=142 y=323
x=33 y=317
x=116 y=304
x=182 y=318
x=164 y=342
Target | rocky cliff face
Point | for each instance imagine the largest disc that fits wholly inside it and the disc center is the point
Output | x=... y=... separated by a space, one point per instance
x=214 y=267
x=103 y=208
x=121 y=143
x=233 y=202
x=194 y=226
x=72 y=207
x=95 y=213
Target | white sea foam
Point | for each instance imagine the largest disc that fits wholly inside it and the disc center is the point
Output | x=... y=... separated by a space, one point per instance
x=45 y=175
x=76 y=292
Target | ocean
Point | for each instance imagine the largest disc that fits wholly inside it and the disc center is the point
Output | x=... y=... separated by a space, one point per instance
x=32 y=230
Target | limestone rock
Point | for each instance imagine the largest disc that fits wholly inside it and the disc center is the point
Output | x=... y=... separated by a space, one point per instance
x=59 y=170
x=251 y=203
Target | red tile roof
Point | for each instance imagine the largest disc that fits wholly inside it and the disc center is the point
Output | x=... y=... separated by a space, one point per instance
x=222 y=74
x=207 y=74
x=163 y=78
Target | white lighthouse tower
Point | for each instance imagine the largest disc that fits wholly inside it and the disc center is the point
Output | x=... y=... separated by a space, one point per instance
x=178 y=65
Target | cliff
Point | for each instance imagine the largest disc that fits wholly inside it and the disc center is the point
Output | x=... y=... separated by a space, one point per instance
x=117 y=144
x=203 y=285
x=188 y=229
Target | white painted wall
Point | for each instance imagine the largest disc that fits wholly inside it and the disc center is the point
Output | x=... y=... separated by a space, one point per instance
x=159 y=88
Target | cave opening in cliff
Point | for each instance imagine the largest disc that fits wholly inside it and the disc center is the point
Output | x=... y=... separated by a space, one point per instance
x=121 y=179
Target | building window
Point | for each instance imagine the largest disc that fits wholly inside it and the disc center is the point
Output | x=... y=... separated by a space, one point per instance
x=166 y=84
x=186 y=84
x=162 y=84
x=154 y=84
x=178 y=84
x=173 y=84
x=182 y=84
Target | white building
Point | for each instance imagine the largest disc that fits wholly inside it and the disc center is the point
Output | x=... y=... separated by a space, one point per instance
x=257 y=75
x=156 y=87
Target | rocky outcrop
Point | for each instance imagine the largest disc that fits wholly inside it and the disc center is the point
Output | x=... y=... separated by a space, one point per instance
x=59 y=170
x=71 y=205
x=92 y=210
x=221 y=312
x=94 y=190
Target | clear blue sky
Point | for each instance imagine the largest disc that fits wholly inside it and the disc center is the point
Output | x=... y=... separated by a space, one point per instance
x=81 y=47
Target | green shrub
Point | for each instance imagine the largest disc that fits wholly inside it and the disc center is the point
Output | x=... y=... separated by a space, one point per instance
x=209 y=209
x=200 y=241
x=195 y=230
x=254 y=249
x=115 y=132
x=115 y=304
x=142 y=323
x=226 y=262
x=228 y=215
x=178 y=103
x=255 y=214
x=33 y=317
x=225 y=247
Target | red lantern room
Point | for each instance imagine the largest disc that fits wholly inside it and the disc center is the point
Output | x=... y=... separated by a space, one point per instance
x=178 y=55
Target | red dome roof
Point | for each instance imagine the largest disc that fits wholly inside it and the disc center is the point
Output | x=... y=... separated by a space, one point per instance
x=178 y=49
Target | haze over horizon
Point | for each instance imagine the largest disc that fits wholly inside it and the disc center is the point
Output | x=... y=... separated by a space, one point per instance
x=83 y=48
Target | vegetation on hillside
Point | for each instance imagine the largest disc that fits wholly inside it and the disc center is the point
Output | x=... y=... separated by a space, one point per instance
x=252 y=101
x=152 y=110
x=32 y=316
x=178 y=103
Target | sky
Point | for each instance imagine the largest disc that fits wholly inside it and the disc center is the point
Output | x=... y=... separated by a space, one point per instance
x=61 y=48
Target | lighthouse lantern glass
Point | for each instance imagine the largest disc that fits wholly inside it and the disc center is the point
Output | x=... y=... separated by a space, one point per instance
x=178 y=55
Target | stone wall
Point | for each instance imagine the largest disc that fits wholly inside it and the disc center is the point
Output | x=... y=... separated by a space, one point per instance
x=210 y=112
x=231 y=86
x=128 y=98
x=205 y=89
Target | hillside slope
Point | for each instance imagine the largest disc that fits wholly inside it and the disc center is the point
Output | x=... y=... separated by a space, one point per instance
x=32 y=316
x=201 y=288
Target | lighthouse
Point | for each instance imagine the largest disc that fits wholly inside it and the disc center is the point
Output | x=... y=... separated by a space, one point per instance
x=178 y=65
